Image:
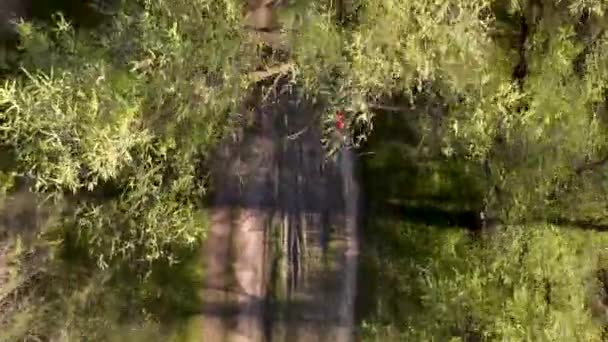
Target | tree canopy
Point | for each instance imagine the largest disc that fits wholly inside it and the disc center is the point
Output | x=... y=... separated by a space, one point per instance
x=112 y=127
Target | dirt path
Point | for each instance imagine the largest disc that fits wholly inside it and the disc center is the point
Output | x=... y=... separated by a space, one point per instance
x=281 y=257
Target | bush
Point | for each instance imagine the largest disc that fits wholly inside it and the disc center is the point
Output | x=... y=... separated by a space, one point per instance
x=111 y=125
x=525 y=284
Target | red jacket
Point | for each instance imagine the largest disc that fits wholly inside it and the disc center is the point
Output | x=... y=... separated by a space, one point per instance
x=340 y=121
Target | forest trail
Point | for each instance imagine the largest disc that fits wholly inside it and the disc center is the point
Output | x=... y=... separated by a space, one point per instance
x=282 y=251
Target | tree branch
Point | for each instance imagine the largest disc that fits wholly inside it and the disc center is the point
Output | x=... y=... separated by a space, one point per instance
x=272 y=71
x=388 y=108
x=578 y=171
x=277 y=39
x=591 y=166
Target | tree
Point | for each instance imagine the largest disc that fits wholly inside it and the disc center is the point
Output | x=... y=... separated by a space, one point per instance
x=115 y=125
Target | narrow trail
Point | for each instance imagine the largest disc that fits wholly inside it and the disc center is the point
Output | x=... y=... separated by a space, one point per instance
x=282 y=251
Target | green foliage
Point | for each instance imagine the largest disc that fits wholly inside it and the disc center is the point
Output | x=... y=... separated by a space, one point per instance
x=526 y=98
x=89 y=304
x=525 y=284
x=113 y=124
x=130 y=108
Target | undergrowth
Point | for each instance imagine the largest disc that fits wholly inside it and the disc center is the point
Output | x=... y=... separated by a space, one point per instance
x=524 y=284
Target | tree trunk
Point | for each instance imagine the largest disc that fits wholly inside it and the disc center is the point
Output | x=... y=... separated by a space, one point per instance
x=249 y=263
x=235 y=284
x=351 y=253
x=216 y=278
